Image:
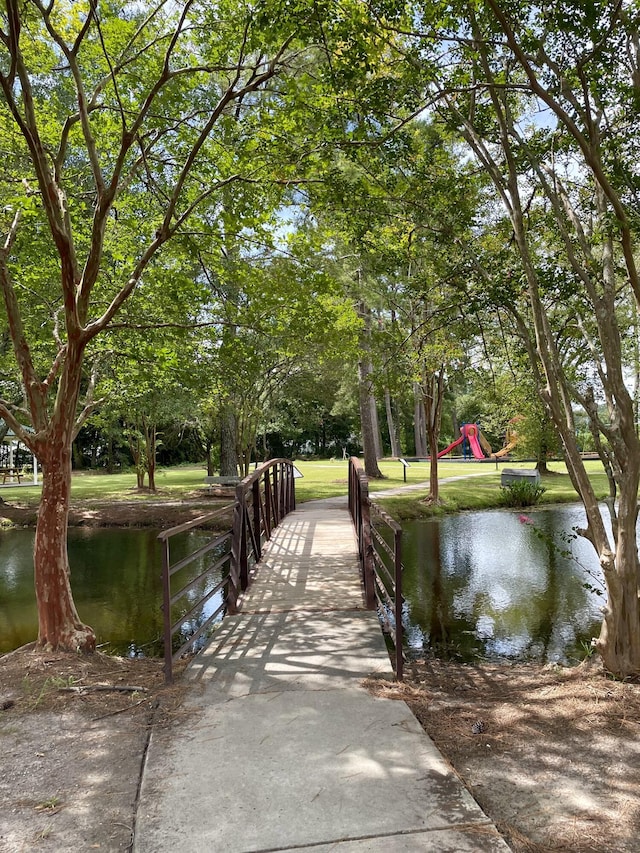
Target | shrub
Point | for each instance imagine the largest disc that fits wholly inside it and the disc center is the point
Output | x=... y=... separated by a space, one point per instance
x=521 y=493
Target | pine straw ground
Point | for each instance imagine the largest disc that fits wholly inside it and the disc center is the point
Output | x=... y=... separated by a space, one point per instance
x=551 y=754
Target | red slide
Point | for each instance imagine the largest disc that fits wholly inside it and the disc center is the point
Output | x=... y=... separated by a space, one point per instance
x=475 y=444
x=471 y=433
x=451 y=446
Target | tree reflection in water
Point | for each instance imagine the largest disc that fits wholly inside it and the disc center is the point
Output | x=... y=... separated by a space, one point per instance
x=116 y=582
x=485 y=586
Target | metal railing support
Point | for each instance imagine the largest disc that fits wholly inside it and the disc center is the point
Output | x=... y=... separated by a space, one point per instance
x=380 y=564
x=398 y=603
x=220 y=568
x=261 y=500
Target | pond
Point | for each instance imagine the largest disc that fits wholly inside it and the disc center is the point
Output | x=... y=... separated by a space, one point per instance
x=478 y=585
x=488 y=585
x=116 y=582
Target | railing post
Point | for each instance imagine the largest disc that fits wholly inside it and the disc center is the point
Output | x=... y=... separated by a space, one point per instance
x=367 y=547
x=256 y=518
x=353 y=495
x=397 y=556
x=276 y=497
x=243 y=562
x=283 y=490
x=236 y=551
x=292 y=489
x=360 y=509
x=166 y=606
x=255 y=513
x=268 y=503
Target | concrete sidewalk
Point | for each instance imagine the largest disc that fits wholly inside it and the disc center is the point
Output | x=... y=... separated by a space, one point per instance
x=281 y=747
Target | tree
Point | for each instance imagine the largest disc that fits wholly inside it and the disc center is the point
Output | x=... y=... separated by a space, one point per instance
x=110 y=116
x=543 y=98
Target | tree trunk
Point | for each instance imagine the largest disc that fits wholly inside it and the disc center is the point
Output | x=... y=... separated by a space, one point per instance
x=209 y=457
x=433 y=395
x=228 y=454
x=619 y=640
x=150 y=442
x=543 y=453
x=396 y=450
x=419 y=427
x=636 y=368
x=59 y=626
x=110 y=460
x=77 y=456
x=368 y=412
x=541 y=466
x=134 y=438
x=368 y=427
x=376 y=424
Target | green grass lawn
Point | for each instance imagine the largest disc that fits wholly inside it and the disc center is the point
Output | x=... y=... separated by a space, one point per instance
x=475 y=493
x=328 y=478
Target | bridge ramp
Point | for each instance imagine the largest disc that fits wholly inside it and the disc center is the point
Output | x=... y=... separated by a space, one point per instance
x=281 y=747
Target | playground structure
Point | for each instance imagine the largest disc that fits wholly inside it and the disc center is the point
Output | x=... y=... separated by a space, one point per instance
x=511 y=438
x=475 y=444
x=470 y=439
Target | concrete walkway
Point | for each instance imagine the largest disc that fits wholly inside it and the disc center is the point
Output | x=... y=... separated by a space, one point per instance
x=281 y=747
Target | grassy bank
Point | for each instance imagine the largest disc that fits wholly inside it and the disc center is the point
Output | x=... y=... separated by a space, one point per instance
x=463 y=485
x=484 y=492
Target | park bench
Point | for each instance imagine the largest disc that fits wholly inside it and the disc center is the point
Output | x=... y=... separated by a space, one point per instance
x=221 y=481
x=9 y=473
x=515 y=475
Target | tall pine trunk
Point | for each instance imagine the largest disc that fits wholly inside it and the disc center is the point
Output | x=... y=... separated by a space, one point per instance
x=369 y=425
x=433 y=396
x=419 y=427
x=150 y=447
x=394 y=440
x=209 y=457
x=228 y=453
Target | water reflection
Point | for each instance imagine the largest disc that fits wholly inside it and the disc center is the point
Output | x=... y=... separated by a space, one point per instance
x=117 y=587
x=484 y=585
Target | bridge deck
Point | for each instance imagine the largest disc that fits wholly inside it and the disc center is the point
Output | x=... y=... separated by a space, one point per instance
x=284 y=748
x=311 y=563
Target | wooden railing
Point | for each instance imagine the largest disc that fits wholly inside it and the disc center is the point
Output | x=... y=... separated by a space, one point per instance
x=380 y=550
x=261 y=502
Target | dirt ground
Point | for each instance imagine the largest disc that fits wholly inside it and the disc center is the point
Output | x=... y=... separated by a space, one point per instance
x=551 y=754
x=159 y=514
x=73 y=735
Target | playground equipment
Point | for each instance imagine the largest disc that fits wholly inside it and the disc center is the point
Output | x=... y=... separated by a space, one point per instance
x=511 y=438
x=472 y=438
